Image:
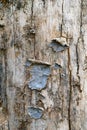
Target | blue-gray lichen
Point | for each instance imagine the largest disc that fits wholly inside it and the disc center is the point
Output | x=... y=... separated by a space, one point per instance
x=35 y=113
x=57 y=46
x=39 y=75
x=28 y=63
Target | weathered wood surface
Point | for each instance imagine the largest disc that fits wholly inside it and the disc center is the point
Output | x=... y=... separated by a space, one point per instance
x=43 y=65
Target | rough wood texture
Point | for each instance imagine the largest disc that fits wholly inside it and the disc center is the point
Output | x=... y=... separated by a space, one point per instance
x=43 y=65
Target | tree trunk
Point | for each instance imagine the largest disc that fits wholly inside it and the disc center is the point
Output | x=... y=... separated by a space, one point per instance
x=43 y=65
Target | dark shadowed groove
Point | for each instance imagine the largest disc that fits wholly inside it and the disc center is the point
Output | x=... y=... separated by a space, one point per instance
x=32 y=10
x=70 y=93
x=32 y=6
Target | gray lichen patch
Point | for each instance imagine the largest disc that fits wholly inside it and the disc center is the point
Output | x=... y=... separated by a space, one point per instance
x=35 y=113
x=28 y=63
x=58 y=45
x=39 y=73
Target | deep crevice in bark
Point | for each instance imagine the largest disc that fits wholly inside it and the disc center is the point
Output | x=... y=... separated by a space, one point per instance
x=32 y=11
x=32 y=24
x=81 y=23
x=77 y=59
x=81 y=18
x=62 y=19
x=6 y=73
x=70 y=93
x=44 y=2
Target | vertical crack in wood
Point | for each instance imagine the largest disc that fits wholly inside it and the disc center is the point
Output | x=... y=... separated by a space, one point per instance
x=81 y=23
x=77 y=59
x=13 y=27
x=32 y=11
x=6 y=75
x=81 y=19
x=34 y=47
x=8 y=126
x=77 y=53
x=62 y=18
x=44 y=2
x=70 y=93
x=32 y=15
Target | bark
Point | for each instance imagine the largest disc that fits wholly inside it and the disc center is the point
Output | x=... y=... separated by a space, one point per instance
x=43 y=65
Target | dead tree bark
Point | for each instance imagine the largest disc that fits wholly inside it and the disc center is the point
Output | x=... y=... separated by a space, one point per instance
x=43 y=65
